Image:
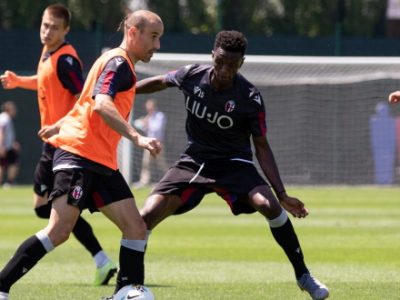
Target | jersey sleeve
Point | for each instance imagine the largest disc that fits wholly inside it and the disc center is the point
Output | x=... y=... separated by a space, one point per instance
x=176 y=77
x=69 y=71
x=116 y=77
x=258 y=125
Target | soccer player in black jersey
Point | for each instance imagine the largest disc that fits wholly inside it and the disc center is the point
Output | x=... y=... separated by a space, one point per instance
x=224 y=112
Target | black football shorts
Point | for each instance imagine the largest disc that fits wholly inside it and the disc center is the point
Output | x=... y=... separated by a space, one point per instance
x=232 y=180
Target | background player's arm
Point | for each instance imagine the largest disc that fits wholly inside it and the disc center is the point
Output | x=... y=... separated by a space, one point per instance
x=104 y=106
x=269 y=167
x=11 y=80
x=394 y=97
x=151 y=84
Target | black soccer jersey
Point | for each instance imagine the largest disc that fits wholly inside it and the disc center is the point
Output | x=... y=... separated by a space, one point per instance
x=219 y=123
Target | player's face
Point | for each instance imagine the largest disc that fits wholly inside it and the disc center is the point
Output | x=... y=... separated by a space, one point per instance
x=52 y=31
x=146 y=41
x=226 y=66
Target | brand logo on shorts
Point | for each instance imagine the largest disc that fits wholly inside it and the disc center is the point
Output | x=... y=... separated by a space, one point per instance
x=77 y=192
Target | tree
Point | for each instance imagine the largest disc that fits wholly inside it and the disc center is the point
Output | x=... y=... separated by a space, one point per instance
x=307 y=18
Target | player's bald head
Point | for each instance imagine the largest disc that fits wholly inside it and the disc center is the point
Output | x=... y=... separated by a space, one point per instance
x=141 y=19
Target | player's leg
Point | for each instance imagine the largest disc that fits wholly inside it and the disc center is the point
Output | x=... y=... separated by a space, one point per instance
x=246 y=192
x=43 y=184
x=125 y=215
x=105 y=267
x=173 y=194
x=265 y=202
x=117 y=203
x=61 y=222
x=12 y=173
x=158 y=207
x=13 y=166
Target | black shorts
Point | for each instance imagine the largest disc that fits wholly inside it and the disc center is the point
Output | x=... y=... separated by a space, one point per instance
x=11 y=158
x=232 y=180
x=88 y=189
x=44 y=176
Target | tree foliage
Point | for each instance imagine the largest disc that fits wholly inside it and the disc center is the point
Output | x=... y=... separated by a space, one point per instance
x=308 y=18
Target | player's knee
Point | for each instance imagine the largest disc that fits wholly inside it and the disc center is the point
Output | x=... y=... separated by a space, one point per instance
x=134 y=229
x=59 y=237
x=43 y=211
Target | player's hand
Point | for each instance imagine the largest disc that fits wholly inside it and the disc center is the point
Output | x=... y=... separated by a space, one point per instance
x=9 y=80
x=394 y=97
x=294 y=206
x=48 y=131
x=151 y=144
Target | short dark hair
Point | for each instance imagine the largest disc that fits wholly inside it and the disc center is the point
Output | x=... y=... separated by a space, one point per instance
x=233 y=41
x=61 y=12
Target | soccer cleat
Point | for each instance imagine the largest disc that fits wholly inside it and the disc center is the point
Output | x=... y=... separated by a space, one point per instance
x=104 y=273
x=316 y=289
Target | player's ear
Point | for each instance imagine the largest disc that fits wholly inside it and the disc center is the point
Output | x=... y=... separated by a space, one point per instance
x=241 y=62
x=212 y=54
x=132 y=31
x=66 y=30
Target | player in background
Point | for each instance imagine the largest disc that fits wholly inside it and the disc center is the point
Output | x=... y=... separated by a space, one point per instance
x=394 y=97
x=224 y=112
x=86 y=174
x=9 y=147
x=153 y=124
x=59 y=82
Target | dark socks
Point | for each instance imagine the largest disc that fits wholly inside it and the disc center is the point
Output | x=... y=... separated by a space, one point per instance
x=84 y=234
x=287 y=239
x=82 y=230
x=43 y=211
x=131 y=264
x=26 y=256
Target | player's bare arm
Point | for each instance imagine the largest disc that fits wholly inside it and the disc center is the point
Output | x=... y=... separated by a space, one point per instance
x=11 y=80
x=394 y=97
x=151 y=84
x=268 y=164
x=105 y=107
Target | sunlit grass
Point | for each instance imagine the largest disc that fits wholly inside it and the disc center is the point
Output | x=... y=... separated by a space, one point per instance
x=351 y=241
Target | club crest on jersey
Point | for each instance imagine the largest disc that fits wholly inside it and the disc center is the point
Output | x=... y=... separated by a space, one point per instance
x=230 y=106
x=198 y=91
x=77 y=192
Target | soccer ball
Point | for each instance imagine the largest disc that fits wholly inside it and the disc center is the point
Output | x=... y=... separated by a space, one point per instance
x=134 y=292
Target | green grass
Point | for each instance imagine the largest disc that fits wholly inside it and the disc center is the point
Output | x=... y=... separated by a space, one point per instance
x=351 y=241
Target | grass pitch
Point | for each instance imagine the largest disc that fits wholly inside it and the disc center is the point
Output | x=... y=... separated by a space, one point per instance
x=351 y=242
